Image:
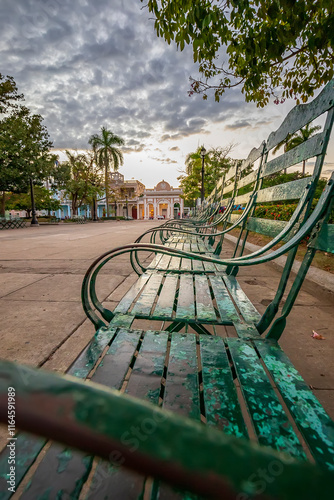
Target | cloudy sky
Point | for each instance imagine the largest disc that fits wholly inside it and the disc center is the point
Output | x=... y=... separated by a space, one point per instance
x=83 y=64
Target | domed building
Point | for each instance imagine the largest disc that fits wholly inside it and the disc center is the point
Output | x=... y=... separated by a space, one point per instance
x=161 y=202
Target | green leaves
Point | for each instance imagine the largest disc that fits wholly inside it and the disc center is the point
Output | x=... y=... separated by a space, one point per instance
x=272 y=46
x=24 y=150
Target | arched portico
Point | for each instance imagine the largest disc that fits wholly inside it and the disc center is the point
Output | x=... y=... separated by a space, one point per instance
x=159 y=201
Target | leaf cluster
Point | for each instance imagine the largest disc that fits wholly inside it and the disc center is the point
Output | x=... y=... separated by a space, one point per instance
x=216 y=164
x=83 y=182
x=271 y=48
x=24 y=150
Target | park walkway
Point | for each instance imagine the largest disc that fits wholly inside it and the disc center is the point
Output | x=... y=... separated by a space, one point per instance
x=43 y=323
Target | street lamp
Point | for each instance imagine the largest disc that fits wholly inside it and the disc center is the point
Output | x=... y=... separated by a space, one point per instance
x=203 y=153
x=126 y=201
x=34 y=221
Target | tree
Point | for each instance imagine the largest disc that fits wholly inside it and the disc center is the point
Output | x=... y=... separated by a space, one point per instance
x=216 y=163
x=24 y=152
x=106 y=153
x=291 y=141
x=85 y=181
x=8 y=93
x=43 y=201
x=279 y=48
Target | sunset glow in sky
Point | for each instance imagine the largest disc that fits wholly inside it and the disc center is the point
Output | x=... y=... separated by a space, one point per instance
x=83 y=64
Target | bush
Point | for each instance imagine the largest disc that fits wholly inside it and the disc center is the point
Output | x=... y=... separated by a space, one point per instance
x=283 y=212
x=275 y=212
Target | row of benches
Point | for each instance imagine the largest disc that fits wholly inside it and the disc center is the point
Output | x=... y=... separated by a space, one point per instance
x=214 y=415
x=12 y=223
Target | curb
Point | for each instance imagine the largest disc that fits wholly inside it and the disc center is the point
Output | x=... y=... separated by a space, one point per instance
x=318 y=276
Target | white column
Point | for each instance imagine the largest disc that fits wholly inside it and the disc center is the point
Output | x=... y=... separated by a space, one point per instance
x=137 y=210
x=154 y=209
x=182 y=208
x=169 y=211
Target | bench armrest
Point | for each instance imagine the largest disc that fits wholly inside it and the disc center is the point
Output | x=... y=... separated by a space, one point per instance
x=100 y=421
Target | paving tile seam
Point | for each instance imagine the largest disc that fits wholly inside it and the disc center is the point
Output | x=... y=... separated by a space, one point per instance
x=56 y=348
x=25 y=286
x=43 y=300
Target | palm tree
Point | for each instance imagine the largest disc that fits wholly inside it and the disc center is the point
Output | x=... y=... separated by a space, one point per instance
x=193 y=160
x=106 y=153
x=291 y=141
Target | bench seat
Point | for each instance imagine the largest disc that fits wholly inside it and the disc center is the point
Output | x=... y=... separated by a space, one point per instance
x=201 y=377
x=189 y=299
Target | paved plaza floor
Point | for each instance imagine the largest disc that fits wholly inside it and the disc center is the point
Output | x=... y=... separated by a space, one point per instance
x=43 y=323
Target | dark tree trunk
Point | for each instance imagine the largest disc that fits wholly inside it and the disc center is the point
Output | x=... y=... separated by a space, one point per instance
x=3 y=204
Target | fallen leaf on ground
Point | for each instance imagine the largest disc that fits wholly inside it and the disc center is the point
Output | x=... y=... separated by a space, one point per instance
x=317 y=336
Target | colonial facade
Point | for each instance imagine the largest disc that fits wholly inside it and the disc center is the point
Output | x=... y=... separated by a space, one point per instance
x=130 y=198
x=161 y=201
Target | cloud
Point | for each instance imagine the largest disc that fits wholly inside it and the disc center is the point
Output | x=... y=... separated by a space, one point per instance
x=238 y=124
x=163 y=160
x=87 y=64
x=174 y=148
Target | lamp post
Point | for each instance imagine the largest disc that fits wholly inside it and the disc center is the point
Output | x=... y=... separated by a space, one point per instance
x=34 y=221
x=203 y=153
x=126 y=202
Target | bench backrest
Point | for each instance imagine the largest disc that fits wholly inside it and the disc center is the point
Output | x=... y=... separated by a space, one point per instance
x=302 y=189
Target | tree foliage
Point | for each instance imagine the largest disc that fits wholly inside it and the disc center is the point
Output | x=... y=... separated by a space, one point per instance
x=279 y=48
x=216 y=164
x=85 y=180
x=24 y=151
x=8 y=93
x=44 y=200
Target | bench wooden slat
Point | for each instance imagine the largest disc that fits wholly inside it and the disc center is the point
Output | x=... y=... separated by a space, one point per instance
x=130 y=296
x=186 y=300
x=71 y=468
x=165 y=304
x=145 y=301
x=203 y=247
x=197 y=265
x=249 y=179
x=182 y=388
x=204 y=308
x=313 y=422
x=288 y=191
x=186 y=265
x=28 y=446
x=303 y=151
x=145 y=383
x=222 y=406
x=155 y=261
x=301 y=115
x=194 y=247
x=270 y=422
x=267 y=227
x=248 y=311
x=226 y=308
x=181 y=396
x=209 y=266
x=27 y=449
x=174 y=264
x=164 y=263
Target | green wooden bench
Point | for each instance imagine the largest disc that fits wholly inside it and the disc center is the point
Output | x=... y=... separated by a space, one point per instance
x=185 y=380
x=217 y=417
x=204 y=237
x=14 y=223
